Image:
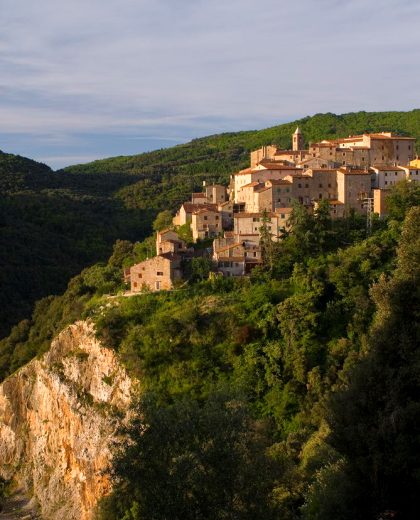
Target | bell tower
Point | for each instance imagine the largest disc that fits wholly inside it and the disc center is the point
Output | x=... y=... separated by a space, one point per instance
x=297 y=139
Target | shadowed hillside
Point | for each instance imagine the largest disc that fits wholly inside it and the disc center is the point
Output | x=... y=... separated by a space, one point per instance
x=52 y=225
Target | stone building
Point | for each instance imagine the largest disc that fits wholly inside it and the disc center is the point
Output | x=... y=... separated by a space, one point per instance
x=354 y=186
x=383 y=177
x=156 y=274
x=206 y=222
x=168 y=241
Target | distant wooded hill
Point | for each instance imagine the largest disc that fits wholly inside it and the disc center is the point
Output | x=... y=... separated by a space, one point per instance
x=53 y=224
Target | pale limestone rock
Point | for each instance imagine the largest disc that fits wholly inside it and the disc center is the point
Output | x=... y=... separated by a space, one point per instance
x=58 y=417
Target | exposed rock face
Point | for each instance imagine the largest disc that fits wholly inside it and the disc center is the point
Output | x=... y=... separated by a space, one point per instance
x=58 y=416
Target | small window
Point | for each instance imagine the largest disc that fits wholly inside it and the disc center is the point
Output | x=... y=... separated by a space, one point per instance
x=134 y=284
x=320 y=185
x=396 y=173
x=205 y=218
x=217 y=217
x=139 y=275
x=159 y=273
x=282 y=215
x=386 y=182
x=306 y=185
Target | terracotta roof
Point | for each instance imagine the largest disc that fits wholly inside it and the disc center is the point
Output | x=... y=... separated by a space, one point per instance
x=385 y=168
x=354 y=171
x=169 y=256
x=205 y=210
x=329 y=170
x=225 y=248
x=166 y=230
x=246 y=170
x=190 y=207
x=279 y=181
x=256 y=215
x=276 y=166
x=251 y=184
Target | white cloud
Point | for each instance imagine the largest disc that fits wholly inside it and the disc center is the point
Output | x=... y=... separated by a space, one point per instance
x=132 y=65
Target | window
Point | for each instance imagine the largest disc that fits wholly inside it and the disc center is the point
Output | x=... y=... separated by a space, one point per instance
x=299 y=185
x=255 y=219
x=386 y=174
x=157 y=285
x=134 y=284
x=329 y=185
x=139 y=275
x=282 y=215
x=320 y=196
x=217 y=217
x=396 y=173
x=255 y=254
x=205 y=218
x=306 y=185
x=386 y=182
x=159 y=273
x=320 y=185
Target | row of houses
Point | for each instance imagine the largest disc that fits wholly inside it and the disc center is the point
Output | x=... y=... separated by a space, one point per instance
x=354 y=174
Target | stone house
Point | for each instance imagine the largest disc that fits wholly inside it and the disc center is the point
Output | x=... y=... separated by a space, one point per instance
x=412 y=173
x=184 y=214
x=354 y=185
x=156 y=274
x=383 y=177
x=247 y=226
x=261 y=175
x=379 y=202
x=205 y=223
x=237 y=259
x=168 y=241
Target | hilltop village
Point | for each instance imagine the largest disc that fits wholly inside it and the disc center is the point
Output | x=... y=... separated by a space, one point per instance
x=353 y=174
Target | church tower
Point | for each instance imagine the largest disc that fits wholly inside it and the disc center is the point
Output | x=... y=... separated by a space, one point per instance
x=297 y=140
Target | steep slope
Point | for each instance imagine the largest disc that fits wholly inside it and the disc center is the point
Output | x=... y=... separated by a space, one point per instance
x=54 y=224
x=51 y=227
x=57 y=419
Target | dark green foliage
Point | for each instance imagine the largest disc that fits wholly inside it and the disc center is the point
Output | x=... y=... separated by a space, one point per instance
x=204 y=458
x=306 y=325
x=52 y=225
x=375 y=420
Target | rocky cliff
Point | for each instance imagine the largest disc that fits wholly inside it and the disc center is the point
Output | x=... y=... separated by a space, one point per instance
x=58 y=416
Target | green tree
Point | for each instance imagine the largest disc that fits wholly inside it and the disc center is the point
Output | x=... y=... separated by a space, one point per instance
x=163 y=220
x=375 y=421
x=191 y=461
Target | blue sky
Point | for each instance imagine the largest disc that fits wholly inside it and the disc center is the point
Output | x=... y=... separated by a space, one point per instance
x=86 y=79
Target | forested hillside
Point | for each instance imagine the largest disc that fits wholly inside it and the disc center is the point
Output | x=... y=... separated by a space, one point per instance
x=289 y=395
x=52 y=225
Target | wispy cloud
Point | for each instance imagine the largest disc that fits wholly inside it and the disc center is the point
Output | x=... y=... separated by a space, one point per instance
x=166 y=68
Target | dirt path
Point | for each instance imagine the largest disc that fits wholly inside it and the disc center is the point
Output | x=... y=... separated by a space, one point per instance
x=18 y=507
